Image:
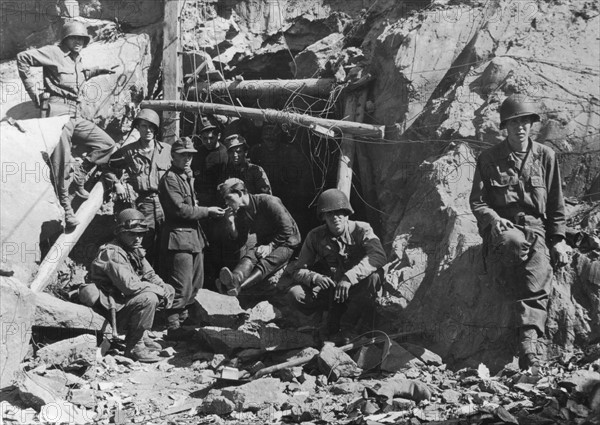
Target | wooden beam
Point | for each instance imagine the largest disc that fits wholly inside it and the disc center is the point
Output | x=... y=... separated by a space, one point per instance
x=171 y=67
x=65 y=242
x=264 y=91
x=269 y=115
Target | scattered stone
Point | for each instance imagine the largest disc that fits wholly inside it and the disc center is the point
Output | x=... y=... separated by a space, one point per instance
x=335 y=363
x=451 y=396
x=347 y=388
x=307 y=352
x=217 y=404
x=205 y=376
x=55 y=313
x=581 y=381
x=64 y=378
x=219 y=310
x=256 y=395
x=493 y=387
x=399 y=359
x=226 y=341
x=402 y=404
x=264 y=312
x=426 y=356
x=85 y=398
x=16 y=314
x=273 y=338
x=124 y=360
x=217 y=360
x=167 y=352
x=72 y=353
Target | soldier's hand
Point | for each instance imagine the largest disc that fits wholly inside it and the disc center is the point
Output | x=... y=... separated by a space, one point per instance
x=263 y=251
x=103 y=71
x=561 y=253
x=216 y=212
x=120 y=192
x=342 y=290
x=324 y=282
x=500 y=225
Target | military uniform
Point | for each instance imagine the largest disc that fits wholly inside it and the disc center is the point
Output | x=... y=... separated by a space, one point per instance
x=252 y=175
x=524 y=188
x=144 y=168
x=182 y=238
x=209 y=170
x=356 y=254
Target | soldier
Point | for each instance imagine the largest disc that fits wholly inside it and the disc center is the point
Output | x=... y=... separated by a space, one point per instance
x=124 y=280
x=338 y=269
x=182 y=239
x=145 y=161
x=276 y=235
x=209 y=163
x=239 y=167
x=64 y=74
x=518 y=202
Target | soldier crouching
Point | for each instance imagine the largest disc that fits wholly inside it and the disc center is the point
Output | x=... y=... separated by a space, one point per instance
x=123 y=280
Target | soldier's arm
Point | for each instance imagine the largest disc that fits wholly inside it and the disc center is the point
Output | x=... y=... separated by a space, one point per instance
x=282 y=222
x=478 y=199
x=373 y=259
x=301 y=272
x=121 y=273
x=29 y=59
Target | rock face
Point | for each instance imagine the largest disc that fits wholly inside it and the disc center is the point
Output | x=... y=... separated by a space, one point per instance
x=17 y=310
x=219 y=310
x=53 y=312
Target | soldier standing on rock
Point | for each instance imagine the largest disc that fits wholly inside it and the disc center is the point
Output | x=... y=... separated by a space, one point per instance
x=124 y=280
x=64 y=75
x=518 y=202
x=182 y=239
x=145 y=161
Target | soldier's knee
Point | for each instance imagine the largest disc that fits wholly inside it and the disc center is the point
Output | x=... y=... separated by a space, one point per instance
x=146 y=299
x=513 y=246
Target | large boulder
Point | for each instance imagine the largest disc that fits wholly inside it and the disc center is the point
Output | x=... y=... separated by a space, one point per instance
x=17 y=309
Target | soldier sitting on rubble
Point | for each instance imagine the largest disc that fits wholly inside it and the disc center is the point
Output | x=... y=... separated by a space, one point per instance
x=239 y=167
x=518 y=202
x=277 y=235
x=124 y=280
x=64 y=75
x=144 y=161
x=338 y=269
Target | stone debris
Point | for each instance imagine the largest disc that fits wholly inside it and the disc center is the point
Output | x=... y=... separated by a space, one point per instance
x=264 y=312
x=56 y=313
x=335 y=363
x=73 y=353
x=219 y=310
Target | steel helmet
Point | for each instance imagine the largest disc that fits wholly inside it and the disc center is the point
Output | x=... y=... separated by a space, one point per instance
x=518 y=105
x=147 y=115
x=235 y=140
x=333 y=200
x=76 y=29
x=131 y=220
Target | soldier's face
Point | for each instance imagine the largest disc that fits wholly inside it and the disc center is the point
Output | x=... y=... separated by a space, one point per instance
x=518 y=130
x=132 y=240
x=271 y=136
x=74 y=43
x=182 y=160
x=233 y=201
x=336 y=221
x=147 y=131
x=209 y=139
x=237 y=155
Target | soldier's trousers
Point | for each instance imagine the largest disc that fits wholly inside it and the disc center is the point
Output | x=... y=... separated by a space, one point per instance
x=184 y=271
x=149 y=205
x=524 y=257
x=355 y=313
x=81 y=132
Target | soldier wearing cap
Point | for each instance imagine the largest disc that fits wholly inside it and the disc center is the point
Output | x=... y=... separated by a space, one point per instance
x=239 y=167
x=182 y=239
x=338 y=269
x=518 y=202
x=144 y=162
x=122 y=279
x=210 y=162
x=64 y=74
x=277 y=235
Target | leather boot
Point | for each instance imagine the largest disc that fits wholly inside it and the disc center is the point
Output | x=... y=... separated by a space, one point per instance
x=232 y=279
x=528 y=356
x=80 y=173
x=150 y=343
x=139 y=352
x=70 y=220
x=174 y=330
x=253 y=279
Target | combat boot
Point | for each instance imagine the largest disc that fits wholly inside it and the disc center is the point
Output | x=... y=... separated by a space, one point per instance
x=251 y=280
x=233 y=279
x=528 y=355
x=80 y=173
x=174 y=330
x=139 y=352
x=70 y=220
x=150 y=343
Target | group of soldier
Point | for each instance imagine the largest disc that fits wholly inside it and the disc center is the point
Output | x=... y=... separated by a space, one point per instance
x=202 y=196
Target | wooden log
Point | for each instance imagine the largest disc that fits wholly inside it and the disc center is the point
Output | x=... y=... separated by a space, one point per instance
x=347 y=150
x=266 y=92
x=269 y=115
x=65 y=242
x=172 y=68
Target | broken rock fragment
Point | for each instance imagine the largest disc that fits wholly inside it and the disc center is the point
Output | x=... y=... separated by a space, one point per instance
x=219 y=310
x=256 y=395
x=53 y=312
x=335 y=363
x=70 y=353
